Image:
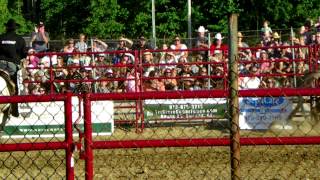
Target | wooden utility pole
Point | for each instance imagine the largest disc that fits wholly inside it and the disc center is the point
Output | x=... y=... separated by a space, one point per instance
x=233 y=97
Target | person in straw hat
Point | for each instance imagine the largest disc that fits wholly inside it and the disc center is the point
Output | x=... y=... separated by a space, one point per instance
x=12 y=50
x=124 y=44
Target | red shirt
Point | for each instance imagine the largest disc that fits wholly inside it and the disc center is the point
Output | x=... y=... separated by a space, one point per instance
x=223 y=48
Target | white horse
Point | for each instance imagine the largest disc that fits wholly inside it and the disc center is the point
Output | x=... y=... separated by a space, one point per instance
x=7 y=88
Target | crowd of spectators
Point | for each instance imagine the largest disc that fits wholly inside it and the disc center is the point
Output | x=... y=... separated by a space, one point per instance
x=269 y=64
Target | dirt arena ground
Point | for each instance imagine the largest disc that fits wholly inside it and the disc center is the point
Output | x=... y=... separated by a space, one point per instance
x=257 y=162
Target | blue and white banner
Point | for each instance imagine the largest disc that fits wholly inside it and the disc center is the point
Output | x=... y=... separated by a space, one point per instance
x=259 y=113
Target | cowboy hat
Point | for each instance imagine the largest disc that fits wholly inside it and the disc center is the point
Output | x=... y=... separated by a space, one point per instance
x=276 y=35
x=201 y=29
x=240 y=35
x=147 y=53
x=218 y=36
x=126 y=40
x=11 y=24
x=171 y=54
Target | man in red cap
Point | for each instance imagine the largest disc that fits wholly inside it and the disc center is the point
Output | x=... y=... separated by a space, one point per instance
x=12 y=50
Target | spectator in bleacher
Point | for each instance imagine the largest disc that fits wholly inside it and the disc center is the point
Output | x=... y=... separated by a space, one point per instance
x=85 y=86
x=317 y=41
x=74 y=58
x=163 y=53
x=31 y=58
x=100 y=63
x=141 y=44
x=73 y=74
x=266 y=32
x=302 y=52
x=186 y=80
x=302 y=67
x=181 y=55
x=81 y=45
x=124 y=44
x=69 y=46
x=98 y=46
x=42 y=90
x=241 y=43
x=40 y=38
x=170 y=58
x=198 y=64
x=197 y=85
x=286 y=52
x=275 y=50
x=269 y=82
x=265 y=66
x=252 y=81
x=317 y=25
x=201 y=41
x=170 y=82
x=104 y=86
x=153 y=84
x=186 y=83
x=218 y=46
x=60 y=72
x=307 y=33
x=132 y=82
x=148 y=64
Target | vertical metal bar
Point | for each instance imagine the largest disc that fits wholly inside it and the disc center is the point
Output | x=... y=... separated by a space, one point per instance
x=153 y=10
x=93 y=68
x=52 y=87
x=233 y=99
x=317 y=59
x=88 y=137
x=68 y=136
x=293 y=60
x=141 y=114
x=189 y=25
x=137 y=109
x=209 y=65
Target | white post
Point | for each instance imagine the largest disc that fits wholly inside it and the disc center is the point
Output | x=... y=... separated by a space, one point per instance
x=93 y=68
x=293 y=58
x=189 y=24
x=153 y=25
x=209 y=66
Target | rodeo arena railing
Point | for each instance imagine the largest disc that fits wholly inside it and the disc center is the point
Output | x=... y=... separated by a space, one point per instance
x=74 y=106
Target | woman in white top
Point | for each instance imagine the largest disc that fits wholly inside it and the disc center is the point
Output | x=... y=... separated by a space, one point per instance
x=179 y=46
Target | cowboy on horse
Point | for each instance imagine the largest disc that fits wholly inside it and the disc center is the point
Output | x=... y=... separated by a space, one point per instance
x=12 y=50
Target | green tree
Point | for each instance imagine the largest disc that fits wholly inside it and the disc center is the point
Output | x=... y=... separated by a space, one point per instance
x=107 y=19
x=65 y=18
x=12 y=10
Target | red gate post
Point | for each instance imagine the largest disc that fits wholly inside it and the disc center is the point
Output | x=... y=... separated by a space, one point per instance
x=88 y=137
x=68 y=136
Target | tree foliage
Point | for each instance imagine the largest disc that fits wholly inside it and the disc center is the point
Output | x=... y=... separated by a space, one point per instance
x=113 y=18
x=12 y=9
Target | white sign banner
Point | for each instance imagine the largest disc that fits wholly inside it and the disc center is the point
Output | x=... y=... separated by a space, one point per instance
x=259 y=113
x=47 y=119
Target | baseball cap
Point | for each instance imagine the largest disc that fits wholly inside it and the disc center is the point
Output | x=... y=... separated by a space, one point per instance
x=40 y=24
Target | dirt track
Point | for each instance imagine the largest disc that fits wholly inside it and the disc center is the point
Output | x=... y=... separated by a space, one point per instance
x=257 y=162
